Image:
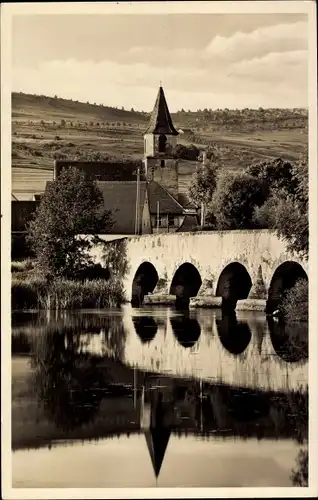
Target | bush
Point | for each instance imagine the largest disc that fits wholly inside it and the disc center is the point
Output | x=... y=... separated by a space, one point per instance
x=294 y=305
x=38 y=293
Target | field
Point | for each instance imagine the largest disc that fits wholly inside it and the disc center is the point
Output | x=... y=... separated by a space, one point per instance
x=44 y=129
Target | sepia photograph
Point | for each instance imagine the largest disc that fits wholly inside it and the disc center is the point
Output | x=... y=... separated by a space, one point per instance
x=159 y=177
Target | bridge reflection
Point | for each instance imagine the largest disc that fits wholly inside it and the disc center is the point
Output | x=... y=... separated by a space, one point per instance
x=75 y=388
x=187 y=330
x=234 y=335
x=146 y=327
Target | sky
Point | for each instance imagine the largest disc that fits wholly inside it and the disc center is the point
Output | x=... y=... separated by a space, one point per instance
x=202 y=60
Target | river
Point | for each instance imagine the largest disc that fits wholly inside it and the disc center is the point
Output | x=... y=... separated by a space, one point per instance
x=151 y=396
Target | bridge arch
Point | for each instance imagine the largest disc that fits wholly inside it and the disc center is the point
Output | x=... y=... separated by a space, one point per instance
x=233 y=284
x=145 y=327
x=186 y=283
x=144 y=282
x=283 y=279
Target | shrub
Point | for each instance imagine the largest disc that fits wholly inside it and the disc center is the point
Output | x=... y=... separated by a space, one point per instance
x=294 y=305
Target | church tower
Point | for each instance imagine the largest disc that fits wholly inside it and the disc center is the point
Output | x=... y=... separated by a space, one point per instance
x=160 y=140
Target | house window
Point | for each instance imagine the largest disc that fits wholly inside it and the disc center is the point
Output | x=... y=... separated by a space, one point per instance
x=171 y=220
x=161 y=221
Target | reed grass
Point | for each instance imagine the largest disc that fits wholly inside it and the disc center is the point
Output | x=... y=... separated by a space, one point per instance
x=36 y=293
x=22 y=265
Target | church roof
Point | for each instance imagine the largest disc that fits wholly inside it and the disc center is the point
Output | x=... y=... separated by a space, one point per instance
x=167 y=203
x=160 y=119
x=190 y=223
x=120 y=198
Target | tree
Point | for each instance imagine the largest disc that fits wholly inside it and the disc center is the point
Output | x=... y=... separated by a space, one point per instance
x=274 y=174
x=234 y=200
x=286 y=209
x=203 y=184
x=186 y=152
x=71 y=206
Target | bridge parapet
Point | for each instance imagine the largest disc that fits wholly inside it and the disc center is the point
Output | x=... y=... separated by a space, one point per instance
x=207 y=263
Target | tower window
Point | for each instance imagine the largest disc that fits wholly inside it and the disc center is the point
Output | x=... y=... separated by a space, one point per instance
x=162 y=163
x=162 y=143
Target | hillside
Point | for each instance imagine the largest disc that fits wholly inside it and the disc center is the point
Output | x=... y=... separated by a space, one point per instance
x=48 y=128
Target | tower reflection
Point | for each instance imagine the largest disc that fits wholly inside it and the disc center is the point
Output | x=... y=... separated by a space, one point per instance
x=155 y=419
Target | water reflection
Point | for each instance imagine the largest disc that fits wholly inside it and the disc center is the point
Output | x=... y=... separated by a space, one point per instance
x=235 y=336
x=299 y=474
x=146 y=327
x=69 y=384
x=290 y=341
x=157 y=427
x=81 y=377
x=187 y=330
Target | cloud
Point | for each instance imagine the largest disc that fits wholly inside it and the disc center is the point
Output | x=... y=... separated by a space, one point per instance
x=274 y=80
x=240 y=46
x=266 y=67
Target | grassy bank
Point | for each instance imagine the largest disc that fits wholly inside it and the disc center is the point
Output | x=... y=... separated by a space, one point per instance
x=36 y=293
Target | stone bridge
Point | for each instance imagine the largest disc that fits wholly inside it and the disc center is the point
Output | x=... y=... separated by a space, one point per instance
x=231 y=265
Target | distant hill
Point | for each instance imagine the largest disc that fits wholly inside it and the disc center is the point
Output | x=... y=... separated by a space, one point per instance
x=29 y=106
x=48 y=128
x=40 y=107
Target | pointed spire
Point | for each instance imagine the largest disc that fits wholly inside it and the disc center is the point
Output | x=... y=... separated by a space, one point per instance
x=157 y=442
x=157 y=434
x=160 y=120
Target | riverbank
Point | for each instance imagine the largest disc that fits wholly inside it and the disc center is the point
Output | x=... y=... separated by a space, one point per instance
x=36 y=293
